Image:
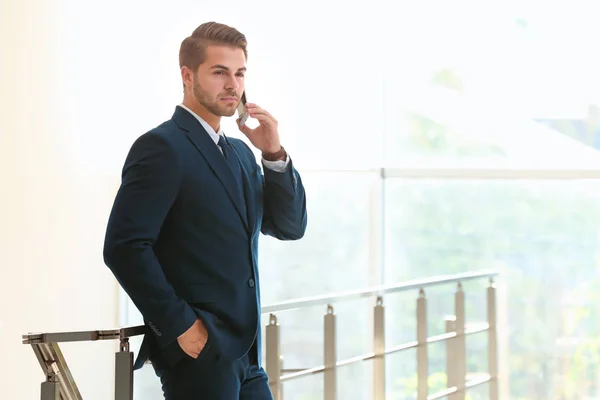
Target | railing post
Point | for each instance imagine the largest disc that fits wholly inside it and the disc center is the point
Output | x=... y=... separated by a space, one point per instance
x=273 y=358
x=50 y=389
x=379 y=350
x=59 y=382
x=460 y=355
x=330 y=356
x=451 y=376
x=492 y=341
x=281 y=368
x=422 y=367
x=124 y=372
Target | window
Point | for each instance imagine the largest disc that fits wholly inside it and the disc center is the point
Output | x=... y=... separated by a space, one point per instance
x=334 y=256
x=340 y=209
x=545 y=239
x=386 y=123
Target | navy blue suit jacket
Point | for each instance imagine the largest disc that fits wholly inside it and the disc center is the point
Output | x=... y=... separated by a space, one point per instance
x=179 y=244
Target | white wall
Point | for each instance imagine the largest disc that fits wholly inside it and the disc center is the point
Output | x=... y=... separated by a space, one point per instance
x=53 y=210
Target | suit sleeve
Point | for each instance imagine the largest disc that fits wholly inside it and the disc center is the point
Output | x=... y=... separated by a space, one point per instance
x=150 y=183
x=284 y=205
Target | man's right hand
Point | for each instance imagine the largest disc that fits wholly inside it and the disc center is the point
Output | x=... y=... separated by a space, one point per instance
x=194 y=339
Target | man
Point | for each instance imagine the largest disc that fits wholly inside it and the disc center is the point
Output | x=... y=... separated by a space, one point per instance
x=182 y=237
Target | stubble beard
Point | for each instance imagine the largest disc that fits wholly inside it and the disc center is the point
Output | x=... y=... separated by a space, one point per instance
x=211 y=104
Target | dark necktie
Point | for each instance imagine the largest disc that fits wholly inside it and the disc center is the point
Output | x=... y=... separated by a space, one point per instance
x=234 y=165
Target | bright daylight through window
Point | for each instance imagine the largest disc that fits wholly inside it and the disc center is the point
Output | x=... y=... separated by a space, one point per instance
x=450 y=141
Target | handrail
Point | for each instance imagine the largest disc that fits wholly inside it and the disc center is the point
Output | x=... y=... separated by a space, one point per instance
x=289 y=305
x=84 y=336
x=377 y=291
x=59 y=384
x=458 y=380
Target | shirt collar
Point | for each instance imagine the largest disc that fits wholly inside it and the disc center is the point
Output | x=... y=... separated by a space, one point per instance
x=211 y=132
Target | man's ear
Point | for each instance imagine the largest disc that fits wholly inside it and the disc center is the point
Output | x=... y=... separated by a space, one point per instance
x=186 y=76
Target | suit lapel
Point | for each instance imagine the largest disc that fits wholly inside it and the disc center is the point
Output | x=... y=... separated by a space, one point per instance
x=248 y=193
x=207 y=147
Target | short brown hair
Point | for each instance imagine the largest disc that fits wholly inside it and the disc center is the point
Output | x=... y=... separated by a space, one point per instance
x=192 y=52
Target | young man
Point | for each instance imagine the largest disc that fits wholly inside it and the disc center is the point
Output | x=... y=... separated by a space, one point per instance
x=182 y=238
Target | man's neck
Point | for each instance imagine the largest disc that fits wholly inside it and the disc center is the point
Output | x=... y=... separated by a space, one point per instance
x=213 y=120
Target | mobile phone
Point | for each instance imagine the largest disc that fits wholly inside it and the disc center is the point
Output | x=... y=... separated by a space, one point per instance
x=241 y=109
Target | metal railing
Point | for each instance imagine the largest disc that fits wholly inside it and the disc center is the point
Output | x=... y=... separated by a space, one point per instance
x=60 y=385
x=455 y=338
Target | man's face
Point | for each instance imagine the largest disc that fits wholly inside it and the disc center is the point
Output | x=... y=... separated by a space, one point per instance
x=218 y=83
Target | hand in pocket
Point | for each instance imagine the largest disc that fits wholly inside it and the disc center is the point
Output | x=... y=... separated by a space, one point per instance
x=194 y=339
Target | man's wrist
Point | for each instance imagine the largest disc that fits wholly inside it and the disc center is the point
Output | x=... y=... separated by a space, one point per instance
x=275 y=156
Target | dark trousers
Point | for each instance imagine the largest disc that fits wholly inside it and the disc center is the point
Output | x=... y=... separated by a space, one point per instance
x=213 y=377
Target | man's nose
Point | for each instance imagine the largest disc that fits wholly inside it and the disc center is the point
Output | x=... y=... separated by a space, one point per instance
x=232 y=83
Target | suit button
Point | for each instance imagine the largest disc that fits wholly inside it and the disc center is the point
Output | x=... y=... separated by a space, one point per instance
x=251 y=283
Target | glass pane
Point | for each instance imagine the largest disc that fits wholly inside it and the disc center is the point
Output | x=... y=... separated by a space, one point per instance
x=302 y=341
x=334 y=253
x=439 y=126
x=491 y=83
x=401 y=328
x=544 y=237
x=332 y=257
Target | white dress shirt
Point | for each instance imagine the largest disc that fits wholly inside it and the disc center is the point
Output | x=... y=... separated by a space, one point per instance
x=277 y=166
